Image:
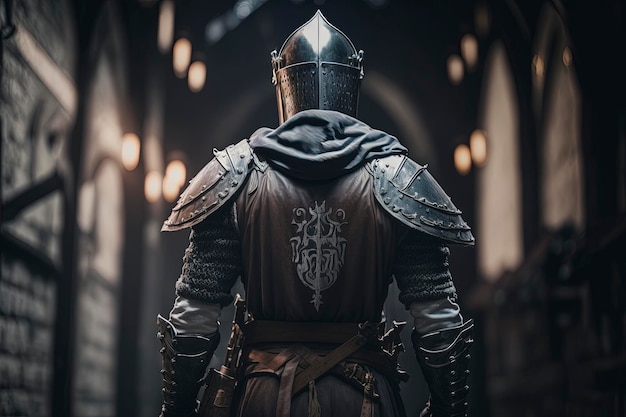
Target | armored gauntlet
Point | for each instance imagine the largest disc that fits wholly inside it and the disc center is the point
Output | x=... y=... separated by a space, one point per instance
x=185 y=359
x=444 y=358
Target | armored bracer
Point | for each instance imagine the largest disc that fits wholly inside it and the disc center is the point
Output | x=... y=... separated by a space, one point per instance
x=444 y=357
x=409 y=193
x=185 y=358
x=212 y=187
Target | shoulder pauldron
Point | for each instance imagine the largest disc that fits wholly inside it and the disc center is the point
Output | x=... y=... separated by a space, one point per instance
x=212 y=187
x=409 y=193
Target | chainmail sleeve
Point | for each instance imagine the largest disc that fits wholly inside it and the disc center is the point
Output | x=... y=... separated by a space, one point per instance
x=212 y=262
x=421 y=269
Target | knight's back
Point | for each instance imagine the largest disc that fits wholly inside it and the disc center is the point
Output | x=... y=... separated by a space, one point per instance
x=315 y=250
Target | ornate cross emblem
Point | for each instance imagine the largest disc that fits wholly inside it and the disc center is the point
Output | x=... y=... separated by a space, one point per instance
x=318 y=249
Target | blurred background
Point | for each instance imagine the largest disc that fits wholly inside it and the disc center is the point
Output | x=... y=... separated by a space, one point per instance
x=109 y=107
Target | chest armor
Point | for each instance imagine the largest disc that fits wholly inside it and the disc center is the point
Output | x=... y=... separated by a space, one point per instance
x=314 y=251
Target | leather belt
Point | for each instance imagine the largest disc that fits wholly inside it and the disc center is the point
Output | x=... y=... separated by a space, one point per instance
x=301 y=367
x=269 y=331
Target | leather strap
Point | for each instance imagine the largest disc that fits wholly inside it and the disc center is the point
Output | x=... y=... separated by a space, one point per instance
x=367 y=410
x=326 y=363
x=283 y=406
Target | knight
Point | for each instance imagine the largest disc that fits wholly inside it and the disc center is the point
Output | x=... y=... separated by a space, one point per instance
x=317 y=217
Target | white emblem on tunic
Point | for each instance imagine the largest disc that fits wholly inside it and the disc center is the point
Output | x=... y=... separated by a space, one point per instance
x=318 y=249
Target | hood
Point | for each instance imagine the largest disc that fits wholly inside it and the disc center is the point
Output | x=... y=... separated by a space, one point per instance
x=322 y=144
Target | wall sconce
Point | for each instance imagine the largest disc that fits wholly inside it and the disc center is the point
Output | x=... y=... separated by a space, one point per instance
x=196 y=76
x=455 y=69
x=469 y=50
x=166 y=26
x=131 y=147
x=175 y=176
x=475 y=154
x=462 y=159
x=152 y=186
x=177 y=172
x=478 y=147
x=181 y=57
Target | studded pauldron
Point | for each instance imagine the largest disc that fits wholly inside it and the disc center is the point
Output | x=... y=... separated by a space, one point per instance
x=212 y=187
x=409 y=193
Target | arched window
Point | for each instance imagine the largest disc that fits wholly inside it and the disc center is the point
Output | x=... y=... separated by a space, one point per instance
x=499 y=211
x=557 y=105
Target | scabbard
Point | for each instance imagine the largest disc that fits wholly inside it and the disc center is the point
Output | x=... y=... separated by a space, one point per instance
x=218 y=394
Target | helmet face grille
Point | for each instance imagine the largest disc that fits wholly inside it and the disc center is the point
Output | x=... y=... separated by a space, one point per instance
x=339 y=88
x=317 y=68
x=298 y=89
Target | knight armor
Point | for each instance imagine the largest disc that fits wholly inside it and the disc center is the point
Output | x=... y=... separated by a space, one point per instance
x=317 y=217
x=317 y=67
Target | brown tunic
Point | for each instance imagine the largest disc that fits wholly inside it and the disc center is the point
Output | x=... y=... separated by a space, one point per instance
x=315 y=251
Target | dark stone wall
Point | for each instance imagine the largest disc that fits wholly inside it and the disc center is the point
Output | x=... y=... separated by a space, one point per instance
x=34 y=133
x=36 y=188
x=27 y=302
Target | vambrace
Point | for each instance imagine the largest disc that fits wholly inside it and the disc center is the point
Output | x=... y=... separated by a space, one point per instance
x=444 y=358
x=185 y=358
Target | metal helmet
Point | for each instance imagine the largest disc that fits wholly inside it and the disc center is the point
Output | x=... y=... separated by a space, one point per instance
x=317 y=68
